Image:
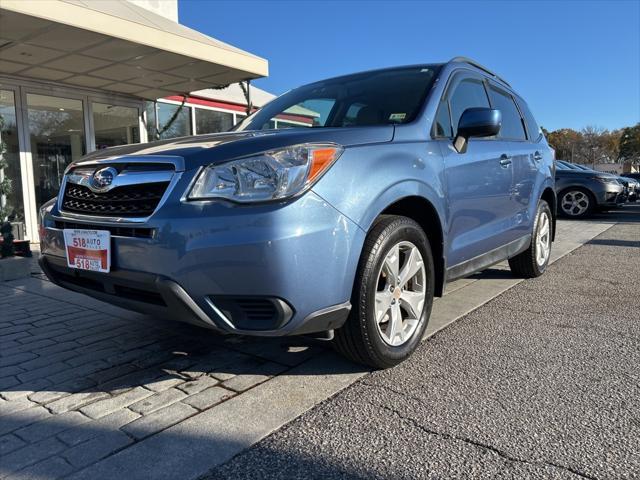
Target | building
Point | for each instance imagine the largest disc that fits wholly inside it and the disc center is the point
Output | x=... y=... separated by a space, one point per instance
x=617 y=168
x=77 y=75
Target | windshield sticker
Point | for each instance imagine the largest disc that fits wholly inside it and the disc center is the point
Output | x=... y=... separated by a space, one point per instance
x=397 y=117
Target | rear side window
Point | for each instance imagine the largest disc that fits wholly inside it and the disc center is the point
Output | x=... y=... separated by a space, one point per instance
x=469 y=93
x=512 y=127
x=532 y=126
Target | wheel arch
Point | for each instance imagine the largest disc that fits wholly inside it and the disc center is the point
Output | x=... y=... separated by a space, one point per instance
x=425 y=214
x=549 y=196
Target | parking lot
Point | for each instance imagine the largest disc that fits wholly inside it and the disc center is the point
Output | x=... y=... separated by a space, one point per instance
x=540 y=381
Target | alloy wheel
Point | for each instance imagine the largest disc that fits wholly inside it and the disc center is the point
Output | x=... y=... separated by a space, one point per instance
x=574 y=203
x=543 y=239
x=400 y=294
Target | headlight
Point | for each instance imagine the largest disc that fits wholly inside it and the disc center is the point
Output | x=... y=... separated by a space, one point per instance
x=607 y=180
x=46 y=208
x=271 y=175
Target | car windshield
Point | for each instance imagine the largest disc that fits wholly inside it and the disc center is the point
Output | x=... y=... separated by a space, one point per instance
x=372 y=98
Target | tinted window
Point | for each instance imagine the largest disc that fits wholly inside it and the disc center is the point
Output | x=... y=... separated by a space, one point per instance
x=351 y=117
x=512 y=126
x=443 y=121
x=468 y=94
x=382 y=97
x=532 y=126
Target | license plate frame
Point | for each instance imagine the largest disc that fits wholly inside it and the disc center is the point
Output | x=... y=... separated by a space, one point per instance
x=88 y=249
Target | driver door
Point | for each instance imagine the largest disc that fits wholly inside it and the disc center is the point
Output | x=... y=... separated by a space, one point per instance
x=478 y=182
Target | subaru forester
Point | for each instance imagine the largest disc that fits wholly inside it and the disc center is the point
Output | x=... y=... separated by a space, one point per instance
x=339 y=210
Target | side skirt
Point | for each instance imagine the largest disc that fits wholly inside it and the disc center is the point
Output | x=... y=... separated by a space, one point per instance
x=485 y=260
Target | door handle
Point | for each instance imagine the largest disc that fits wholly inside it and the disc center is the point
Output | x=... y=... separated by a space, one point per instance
x=537 y=156
x=505 y=160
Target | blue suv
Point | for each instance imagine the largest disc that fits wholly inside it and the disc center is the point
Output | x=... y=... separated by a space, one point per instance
x=339 y=210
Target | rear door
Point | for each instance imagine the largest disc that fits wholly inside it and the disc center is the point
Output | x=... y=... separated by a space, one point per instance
x=478 y=182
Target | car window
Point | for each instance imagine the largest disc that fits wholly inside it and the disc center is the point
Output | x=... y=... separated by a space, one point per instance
x=468 y=94
x=384 y=97
x=512 y=127
x=351 y=117
x=532 y=126
x=309 y=113
x=443 y=121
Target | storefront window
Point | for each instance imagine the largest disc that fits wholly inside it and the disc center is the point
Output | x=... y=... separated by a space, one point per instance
x=115 y=125
x=56 y=132
x=11 y=205
x=180 y=127
x=212 y=121
x=150 y=122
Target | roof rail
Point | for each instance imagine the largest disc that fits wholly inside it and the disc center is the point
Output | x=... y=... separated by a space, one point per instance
x=477 y=65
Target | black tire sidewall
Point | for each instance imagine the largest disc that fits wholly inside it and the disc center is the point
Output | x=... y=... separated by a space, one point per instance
x=402 y=229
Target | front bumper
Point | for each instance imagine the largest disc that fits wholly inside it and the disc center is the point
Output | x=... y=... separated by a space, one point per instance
x=202 y=261
x=610 y=195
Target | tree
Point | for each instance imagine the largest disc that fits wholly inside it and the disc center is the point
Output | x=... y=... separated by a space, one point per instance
x=565 y=142
x=591 y=149
x=629 y=144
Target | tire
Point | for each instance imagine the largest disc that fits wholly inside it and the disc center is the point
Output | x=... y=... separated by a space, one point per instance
x=378 y=344
x=579 y=211
x=534 y=260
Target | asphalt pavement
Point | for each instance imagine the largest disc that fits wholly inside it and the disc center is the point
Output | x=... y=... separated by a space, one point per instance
x=541 y=382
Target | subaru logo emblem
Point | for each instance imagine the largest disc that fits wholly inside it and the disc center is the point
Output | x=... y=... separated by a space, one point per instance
x=103 y=178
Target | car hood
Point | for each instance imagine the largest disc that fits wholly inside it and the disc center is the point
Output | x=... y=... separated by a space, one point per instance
x=219 y=147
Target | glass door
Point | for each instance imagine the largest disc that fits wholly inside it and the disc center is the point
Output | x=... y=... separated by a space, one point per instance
x=115 y=125
x=11 y=204
x=56 y=136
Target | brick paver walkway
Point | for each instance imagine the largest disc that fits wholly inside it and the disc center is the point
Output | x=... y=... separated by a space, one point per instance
x=77 y=384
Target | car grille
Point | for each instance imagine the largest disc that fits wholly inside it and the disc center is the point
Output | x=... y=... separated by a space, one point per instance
x=139 y=200
x=254 y=313
x=257 y=308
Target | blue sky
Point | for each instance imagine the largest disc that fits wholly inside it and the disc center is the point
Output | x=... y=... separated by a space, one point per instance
x=576 y=63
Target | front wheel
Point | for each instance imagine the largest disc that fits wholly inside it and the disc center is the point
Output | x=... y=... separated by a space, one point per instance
x=576 y=203
x=534 y=260
x=392 y=295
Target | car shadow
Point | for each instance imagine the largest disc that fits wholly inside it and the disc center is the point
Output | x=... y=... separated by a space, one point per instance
x=615 y=242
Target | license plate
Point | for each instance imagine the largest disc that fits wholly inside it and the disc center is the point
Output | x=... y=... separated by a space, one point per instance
x=88 y=249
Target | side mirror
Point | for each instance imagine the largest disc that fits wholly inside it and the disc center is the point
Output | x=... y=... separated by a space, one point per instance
x=476 y=122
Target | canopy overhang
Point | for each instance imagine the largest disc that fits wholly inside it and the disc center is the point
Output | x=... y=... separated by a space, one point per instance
x=116 y=47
